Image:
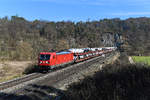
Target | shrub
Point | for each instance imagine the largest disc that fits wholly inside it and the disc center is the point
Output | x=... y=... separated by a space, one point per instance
x=30 y=69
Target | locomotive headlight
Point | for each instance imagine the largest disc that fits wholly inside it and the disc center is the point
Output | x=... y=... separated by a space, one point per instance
x=46 y=62
x=40 y=62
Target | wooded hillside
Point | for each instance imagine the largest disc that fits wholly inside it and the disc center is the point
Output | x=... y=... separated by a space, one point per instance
x=23 y=40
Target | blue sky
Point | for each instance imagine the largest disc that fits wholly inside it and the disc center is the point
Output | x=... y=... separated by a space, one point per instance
x=74 y=10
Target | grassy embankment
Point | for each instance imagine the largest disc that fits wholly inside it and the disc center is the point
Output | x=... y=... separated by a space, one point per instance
x=141 y=59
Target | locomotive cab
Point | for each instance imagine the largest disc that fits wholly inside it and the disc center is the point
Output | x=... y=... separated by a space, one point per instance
x=46 y=60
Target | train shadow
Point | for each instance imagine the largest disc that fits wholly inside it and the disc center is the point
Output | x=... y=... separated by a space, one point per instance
x=38 y=69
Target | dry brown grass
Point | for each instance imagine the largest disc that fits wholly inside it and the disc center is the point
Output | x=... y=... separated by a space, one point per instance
x=12 y=69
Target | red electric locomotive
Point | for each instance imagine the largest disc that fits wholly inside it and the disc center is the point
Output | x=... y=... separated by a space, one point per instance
x=50 y=60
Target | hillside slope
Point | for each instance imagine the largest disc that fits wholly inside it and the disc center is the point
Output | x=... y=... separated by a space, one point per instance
x=23 y=40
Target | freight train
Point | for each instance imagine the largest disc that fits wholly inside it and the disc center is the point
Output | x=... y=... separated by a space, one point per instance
x=50 y=60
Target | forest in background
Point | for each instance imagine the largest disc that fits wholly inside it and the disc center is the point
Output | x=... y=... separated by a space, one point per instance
x=21 y=39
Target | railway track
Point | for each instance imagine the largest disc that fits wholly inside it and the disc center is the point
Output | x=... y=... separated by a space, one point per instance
x=55 y=80
x=63 y=74
x=17 y=81
x=49 y=78
x=29 y=77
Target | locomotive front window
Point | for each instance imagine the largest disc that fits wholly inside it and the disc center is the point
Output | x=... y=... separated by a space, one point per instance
x=44 y=57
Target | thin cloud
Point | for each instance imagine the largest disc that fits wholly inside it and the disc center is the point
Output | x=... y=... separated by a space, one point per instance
x=80 y=2
x=131 y=13
x=99 y=2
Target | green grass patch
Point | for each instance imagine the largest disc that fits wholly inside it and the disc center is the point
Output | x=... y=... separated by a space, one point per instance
x=141 y=59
